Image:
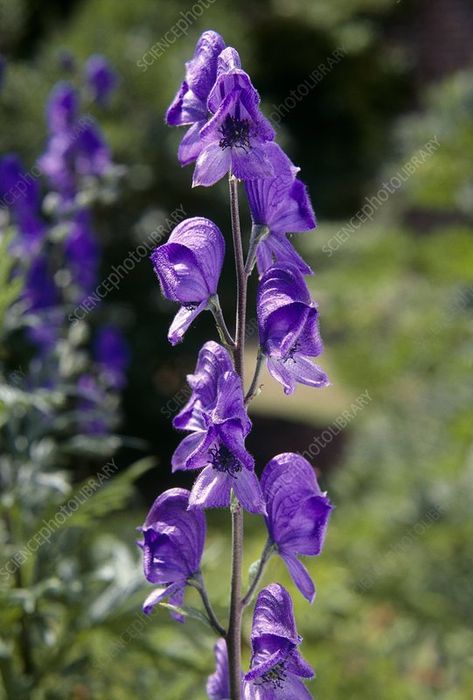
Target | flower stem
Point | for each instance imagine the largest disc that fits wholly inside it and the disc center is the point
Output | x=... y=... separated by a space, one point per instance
x=211 y=616
x=254 y=389
x=236 y=608
x=265 y=557
x=224 y=333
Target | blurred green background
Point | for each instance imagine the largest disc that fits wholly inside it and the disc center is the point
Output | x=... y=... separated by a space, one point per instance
x=393 y=615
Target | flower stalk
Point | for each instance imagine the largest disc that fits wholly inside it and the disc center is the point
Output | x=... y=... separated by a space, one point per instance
x=236 y=608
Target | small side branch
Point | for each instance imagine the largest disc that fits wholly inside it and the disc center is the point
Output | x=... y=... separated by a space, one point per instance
x=224 y=333
x=199 y=585
x=254 y=388
x=265 y=557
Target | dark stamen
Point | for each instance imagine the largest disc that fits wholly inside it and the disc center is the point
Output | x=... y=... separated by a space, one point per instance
x=275 y=677
x=224 y=461
x=235 y=133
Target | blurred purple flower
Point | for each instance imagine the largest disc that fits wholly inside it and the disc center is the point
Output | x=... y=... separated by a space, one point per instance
x=76 y=147
x=236 y=136
x=219 y=423
x=288 y=328
x=82 y=252
x=282 y=204
x=62 y=108
x=101 y=78
x=42 y=298
x=112 y=354
x=173 y=544
x=90 y=407
x=19 y=191
x=297 y=514
x=218 y=684
x=276 y=666
x=188 y=267
x=189 y=106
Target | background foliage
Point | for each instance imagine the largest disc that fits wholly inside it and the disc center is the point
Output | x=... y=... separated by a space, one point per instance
x=393 y=615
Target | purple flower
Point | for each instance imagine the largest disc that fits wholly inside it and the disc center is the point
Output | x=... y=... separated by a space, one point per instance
x=42 y=297
x=297 y=514
x=281 y=204
x=188 y=267
x=218 y=684
x=173 y=544
x=76 y=147
x=112 y=354
x=82 y=252
x=288 y=328
x=213 y=362
x=217 y=417
x=189 y=107
x=101 y=78
x=276 y=666
x=20 y=192
x=235 y=138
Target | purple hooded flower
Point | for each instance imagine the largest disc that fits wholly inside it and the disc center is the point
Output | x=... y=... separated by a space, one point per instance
x=82 y=252
x=112 y=354
x=101 y=78
x=217 y=417
x=188 y=267
x=281 y=204
x=288 y=328
x=276 y=667
x=218 y=684
x=173 y=544
x=213 y=362
x=235 y=138
x=189 y=107
x=297 y=514
x=20 y=193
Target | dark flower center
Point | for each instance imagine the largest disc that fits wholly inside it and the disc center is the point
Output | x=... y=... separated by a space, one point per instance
x=224 y=461
x=235 y=133
x=191 y=305
x=275 y=677
x=292 y=351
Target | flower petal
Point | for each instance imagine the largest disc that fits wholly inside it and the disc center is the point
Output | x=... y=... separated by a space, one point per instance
x=211 y=489
x=248 y=491
x=212 y=164
x=218 y=684
x=305 y=372
x=191 y=145
x=182 y=321
x=159 y=594
x=300 y=576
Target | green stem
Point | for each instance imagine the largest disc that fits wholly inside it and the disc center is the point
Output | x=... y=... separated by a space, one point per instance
x=214 y=622
x=265 y=557
x=224 y=333
x=254 y=388
x=236 y=608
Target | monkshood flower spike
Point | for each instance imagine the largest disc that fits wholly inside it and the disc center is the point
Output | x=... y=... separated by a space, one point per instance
x=288 y=328
x=297 y=514
x=278 y=205
x=188 y=267
x=228 y=134
x=276 y=667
